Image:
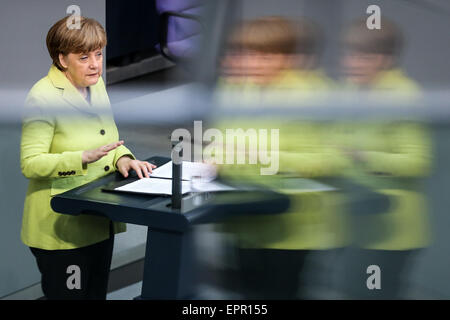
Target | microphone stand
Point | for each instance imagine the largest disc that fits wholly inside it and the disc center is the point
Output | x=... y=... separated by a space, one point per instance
x=177 y=173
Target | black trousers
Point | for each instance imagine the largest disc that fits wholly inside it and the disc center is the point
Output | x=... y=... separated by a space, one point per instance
x=394 y=267
x=271 y=273
x=76 y=274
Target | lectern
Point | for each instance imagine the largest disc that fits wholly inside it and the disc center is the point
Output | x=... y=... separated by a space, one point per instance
x=168 y=267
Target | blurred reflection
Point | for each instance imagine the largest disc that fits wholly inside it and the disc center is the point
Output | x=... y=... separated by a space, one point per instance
x=274 y=60
x=355 y=187
x=389 y=158
x=371 y=60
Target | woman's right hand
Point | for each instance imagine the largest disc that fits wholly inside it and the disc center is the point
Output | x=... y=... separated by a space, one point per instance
x=90 y=156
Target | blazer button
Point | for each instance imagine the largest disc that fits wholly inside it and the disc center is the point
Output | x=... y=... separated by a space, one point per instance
x=102 y=132
x=106 y=168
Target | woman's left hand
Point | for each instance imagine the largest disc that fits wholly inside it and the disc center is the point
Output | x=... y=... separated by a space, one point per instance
x=142 y=168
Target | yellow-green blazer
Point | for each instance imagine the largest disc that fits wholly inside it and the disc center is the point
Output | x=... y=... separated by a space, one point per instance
x=59 y=124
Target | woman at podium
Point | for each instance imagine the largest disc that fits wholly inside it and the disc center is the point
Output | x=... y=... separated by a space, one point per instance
x=69 y=138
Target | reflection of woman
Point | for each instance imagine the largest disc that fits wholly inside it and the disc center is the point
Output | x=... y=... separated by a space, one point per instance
x=391 y=158
x=274 y=250
x=64 y=149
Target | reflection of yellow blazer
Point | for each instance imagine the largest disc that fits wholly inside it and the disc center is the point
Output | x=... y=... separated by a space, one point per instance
x=398 y=156
x=59 y=124
x=314 y=220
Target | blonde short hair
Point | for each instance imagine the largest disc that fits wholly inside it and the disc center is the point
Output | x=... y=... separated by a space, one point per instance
x=266 y=34
x=274 y=34
x=60 y=39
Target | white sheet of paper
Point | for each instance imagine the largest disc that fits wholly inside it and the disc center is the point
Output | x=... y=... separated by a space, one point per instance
x=164 y=186
x=207 y=172
x=153 y=186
